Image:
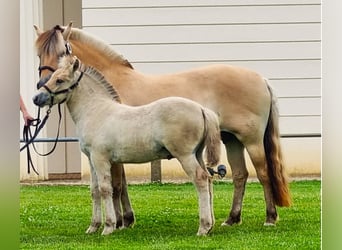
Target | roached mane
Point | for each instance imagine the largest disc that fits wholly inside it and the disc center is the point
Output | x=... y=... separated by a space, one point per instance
x=48 y=43
x=80 y=35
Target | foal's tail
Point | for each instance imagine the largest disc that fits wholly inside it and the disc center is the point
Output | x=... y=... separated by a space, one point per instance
x=275 y=164
x=212 y=137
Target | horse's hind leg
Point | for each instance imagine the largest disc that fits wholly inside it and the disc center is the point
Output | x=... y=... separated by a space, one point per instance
x=200 y=178
x=257 y=154
x=236 y=159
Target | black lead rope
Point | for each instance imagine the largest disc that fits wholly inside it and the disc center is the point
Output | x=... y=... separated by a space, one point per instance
x=29 y=138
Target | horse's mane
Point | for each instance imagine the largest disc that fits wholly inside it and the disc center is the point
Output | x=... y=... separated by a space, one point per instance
x=47 y=43
x=78 y=34
x=100 y=79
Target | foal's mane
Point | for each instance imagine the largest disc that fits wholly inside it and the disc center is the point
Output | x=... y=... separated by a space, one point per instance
x=47 y=43
x=100 y=79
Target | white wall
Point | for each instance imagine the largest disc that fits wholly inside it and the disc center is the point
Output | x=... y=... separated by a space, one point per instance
x=30 y=13
x=280 y=39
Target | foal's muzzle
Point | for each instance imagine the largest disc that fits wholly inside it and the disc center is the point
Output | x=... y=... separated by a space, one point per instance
x=41 y=99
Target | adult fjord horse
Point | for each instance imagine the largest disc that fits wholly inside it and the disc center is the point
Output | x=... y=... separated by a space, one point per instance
x=243 y=100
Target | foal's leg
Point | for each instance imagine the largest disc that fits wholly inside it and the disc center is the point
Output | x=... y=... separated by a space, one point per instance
x=102 y=168
x=200 y=178
x=96 y=199
x=236 y=159
x=257 y=154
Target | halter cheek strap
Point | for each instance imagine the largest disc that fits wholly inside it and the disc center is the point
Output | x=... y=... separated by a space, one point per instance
x=68 y=51
x=53 y=94
x=41 y=68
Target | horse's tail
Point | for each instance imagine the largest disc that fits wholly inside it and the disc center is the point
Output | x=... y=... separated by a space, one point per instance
x=275 y=164
x=212 y=137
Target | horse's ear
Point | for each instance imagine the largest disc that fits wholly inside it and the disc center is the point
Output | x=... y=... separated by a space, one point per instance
x=76 y=64
x=38 y=30
x=67 y=32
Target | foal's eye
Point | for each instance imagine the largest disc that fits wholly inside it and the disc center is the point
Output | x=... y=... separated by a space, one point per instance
x=59 y=81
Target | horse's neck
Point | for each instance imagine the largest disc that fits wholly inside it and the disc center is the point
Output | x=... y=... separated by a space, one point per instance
x=86 y=97
x=100 y=56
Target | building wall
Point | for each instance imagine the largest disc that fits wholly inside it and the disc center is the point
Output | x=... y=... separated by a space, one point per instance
x=65 y=162
x=279 y=39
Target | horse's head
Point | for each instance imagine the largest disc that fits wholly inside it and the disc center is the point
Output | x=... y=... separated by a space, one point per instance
x=51 y=45
x=60 y=84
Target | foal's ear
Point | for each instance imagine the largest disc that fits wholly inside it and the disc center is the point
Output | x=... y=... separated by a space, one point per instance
x=67 y=32
x=38 y=30
x=76 y=65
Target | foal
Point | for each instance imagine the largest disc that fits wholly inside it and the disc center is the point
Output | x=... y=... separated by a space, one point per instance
x=111 y=132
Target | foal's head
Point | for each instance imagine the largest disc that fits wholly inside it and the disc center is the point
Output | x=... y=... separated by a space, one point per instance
x=61 y=83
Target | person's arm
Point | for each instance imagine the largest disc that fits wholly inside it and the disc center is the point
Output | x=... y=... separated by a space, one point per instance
x=27 y=117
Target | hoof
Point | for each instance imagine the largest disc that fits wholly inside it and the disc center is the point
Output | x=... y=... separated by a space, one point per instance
x=91 y=230
x=128 y=220
x=225 y=224
x=269 y=224
x=108 y=230
x=204 y=231
x=232 y=220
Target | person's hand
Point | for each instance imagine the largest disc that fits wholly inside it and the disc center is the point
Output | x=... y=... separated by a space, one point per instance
x=27 y=118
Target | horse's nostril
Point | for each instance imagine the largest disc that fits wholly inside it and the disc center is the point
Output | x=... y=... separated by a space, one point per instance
x=36 y=99
x=39 y=99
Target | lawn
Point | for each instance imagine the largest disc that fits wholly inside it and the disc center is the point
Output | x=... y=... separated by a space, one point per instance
x=56 y=217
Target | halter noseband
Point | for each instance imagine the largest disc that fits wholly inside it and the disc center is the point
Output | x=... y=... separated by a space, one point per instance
x=41 y=68
x=53 y=94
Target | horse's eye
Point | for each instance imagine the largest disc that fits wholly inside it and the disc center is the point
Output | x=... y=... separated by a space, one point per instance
x=59 y=81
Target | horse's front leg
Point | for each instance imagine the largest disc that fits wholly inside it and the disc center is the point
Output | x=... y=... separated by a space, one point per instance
x=102 y=168
x=96 y=200
x=235 y=156
x=116 y=170
x=120 y=197
x=129 y=218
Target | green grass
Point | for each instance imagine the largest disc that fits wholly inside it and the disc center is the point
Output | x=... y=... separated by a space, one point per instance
x=56 y=217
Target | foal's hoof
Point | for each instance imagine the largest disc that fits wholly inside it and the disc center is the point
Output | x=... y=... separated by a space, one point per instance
x=203 y=231
x=92 y=229
x=108 y=230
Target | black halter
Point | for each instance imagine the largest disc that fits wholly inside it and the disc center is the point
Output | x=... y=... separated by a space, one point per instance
x=63 y=91
x=41 y=68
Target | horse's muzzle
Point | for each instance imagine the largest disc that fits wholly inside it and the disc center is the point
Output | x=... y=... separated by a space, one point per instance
x=41 y=99
x=42 y=81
